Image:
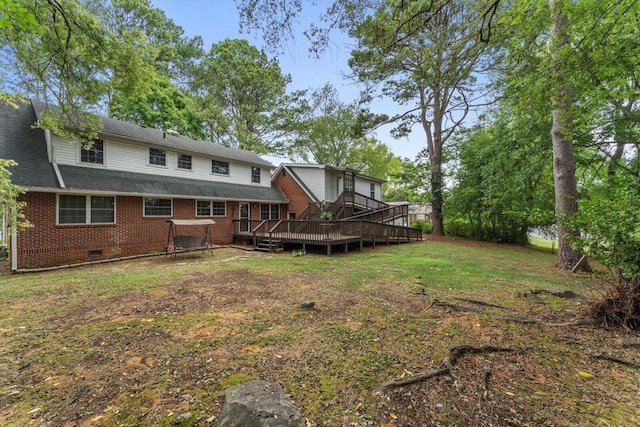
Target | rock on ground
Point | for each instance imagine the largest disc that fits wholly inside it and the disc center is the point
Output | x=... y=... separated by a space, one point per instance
x=259 y=403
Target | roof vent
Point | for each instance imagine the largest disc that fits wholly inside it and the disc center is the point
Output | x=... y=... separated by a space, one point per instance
x=173 y=132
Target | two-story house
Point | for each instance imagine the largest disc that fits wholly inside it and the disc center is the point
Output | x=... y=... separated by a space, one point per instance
x=113 y=198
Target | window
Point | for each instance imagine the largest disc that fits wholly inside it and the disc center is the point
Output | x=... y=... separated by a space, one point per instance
x=219 y=167
x=348 y=183
x=372 y=190
x=102 y=210
x=73 y=209
x=157 y=157
x=92 y=152
x=255 y=175
x=268 y=211
x=184 y=161
x=157 y=207
x=210 y=208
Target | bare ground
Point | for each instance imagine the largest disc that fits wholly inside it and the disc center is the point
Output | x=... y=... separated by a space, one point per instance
x=151 y=356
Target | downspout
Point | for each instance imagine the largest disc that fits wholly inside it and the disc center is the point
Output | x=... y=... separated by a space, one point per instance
x=52 y=157
x=14 y=242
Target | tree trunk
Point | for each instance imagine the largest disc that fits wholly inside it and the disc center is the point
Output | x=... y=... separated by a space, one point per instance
x=564 y=166
x=436 y=183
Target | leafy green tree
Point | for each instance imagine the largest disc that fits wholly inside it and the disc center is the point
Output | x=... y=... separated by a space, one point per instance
x=242 y=94
x=427 y=65
x=334 y=133
x=161 y=100
x=584 y=47
x=409 y=182
x=503 y=182
x=73 y=61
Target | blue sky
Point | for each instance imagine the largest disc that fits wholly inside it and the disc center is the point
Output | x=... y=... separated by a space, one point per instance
x=216 y=20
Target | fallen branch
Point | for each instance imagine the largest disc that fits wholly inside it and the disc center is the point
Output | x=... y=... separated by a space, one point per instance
x=635 y=344
x=601 y=356
x=518 y=319
x=482 y=303
x=447 y=366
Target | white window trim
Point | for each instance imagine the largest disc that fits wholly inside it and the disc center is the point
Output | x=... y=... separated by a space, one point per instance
x=218 y=173
x=166 y=158
x=259 y=175
x=92 y=165
x=211 y=208
x=178 y=162
x=87 y=209
x=144 y=215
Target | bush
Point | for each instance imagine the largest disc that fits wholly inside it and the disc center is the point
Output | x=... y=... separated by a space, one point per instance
x=423 y=225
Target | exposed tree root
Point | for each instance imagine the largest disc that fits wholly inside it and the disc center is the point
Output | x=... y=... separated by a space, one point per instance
x=482 y=303
x=620 y=306
x=447 y=367
x=630 y=344
x=601 y=356
x=534 y=295
x=517 y=319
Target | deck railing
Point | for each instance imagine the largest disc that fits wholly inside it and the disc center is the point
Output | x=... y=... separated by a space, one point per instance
x=325 y=232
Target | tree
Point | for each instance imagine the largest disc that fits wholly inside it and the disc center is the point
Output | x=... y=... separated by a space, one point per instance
x=335 y=133
x=428 y=65
x=161 y=100
x=242 y=94
x=409 y=182
x=74 y=62
x=564 y=165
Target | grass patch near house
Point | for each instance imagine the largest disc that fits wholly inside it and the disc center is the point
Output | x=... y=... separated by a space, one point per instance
x=144 y=341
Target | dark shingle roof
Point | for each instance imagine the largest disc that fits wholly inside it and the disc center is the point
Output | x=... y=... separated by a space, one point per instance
x=144 y=135
x=84 y=179
x=27 y=146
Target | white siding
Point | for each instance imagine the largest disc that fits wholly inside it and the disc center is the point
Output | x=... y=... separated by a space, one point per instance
x=363 y=186
x=135 y=158
x=333 y=186
x=313 y=178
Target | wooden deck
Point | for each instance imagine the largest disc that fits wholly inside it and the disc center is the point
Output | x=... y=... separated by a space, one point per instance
x=270 y=234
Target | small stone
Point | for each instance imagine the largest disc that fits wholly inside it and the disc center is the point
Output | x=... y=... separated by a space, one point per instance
x=307 y=305
x=182 y=418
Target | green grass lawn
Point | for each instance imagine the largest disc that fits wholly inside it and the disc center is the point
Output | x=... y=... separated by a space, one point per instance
x=143 y=342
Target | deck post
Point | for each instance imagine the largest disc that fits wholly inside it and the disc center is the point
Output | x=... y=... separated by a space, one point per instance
x=346 y=247
x=328 y=248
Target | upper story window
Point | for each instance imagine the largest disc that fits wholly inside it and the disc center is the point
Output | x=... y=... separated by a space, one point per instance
x=74 y=209
x=255 y=175
x=157 y=207
x=184 y=161
x=348 y=183
x=219 y=167
x=157 y=157
x=372 y=190
x=92 y=152
x=210 y=208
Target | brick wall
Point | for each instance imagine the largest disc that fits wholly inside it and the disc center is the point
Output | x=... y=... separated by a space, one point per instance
x=298 y=198
x=47 y=244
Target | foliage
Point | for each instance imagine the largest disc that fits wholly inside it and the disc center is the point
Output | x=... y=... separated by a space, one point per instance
x=242 y=95
x=10 y=207
x=610 y=225
x=409 y=182
x=161 y=105
x=420 y=224
x=326 y=215
x=503 y=182
x=334 y=133
x=72 y=61
x=427 y=65
x=160 y=100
